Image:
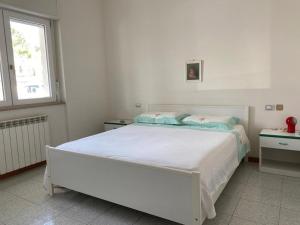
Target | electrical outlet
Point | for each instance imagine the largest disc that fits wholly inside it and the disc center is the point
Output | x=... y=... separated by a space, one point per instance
x=269 y=107
x=138 y=105
x=279 y=107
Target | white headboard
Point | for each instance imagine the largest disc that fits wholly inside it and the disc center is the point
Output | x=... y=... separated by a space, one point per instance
x=241 y=112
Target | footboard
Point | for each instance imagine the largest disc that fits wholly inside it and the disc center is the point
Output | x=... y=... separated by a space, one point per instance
x=167 y=193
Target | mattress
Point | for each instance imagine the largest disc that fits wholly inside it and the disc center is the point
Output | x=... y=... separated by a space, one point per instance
x=215 y=154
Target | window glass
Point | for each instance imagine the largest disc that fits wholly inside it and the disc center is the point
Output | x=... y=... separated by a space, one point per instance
x=1 y=86
x=30 y=60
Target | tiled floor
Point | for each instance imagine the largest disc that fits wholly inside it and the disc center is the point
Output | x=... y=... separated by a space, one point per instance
x=251 y=198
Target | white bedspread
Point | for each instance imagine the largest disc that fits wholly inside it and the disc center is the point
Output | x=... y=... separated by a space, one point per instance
x=214 y=154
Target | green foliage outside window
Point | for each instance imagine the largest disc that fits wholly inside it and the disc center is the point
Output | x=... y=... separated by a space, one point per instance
x=20 y=45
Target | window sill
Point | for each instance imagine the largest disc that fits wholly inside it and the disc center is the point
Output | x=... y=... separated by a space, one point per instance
x=29 y=106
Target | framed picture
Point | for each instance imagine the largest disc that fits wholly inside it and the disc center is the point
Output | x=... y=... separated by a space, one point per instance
x=194 y=71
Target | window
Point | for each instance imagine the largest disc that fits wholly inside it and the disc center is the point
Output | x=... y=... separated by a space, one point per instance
x=1 y=89
x=27 y=71
x=5 y=93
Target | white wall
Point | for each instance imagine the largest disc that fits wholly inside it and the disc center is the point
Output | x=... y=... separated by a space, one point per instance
x=81 y=56
x=249 y=44
x=57 y=114
x=47 y=7
x=254 y=45
x=81 y=34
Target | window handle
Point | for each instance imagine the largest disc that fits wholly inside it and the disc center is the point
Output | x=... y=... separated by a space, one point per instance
x=11 y=67
x=284 y=144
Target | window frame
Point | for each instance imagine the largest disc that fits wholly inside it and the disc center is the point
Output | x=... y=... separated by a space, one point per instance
x=7 y=101
x=31 y=20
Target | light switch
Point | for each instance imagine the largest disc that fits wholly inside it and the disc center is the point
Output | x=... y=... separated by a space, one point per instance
x=269 y=107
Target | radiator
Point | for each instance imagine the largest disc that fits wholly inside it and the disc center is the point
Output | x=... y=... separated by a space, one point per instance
x=22 y=142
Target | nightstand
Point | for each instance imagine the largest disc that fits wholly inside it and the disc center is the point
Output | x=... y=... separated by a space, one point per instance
x=115 y=124
x=279 y=152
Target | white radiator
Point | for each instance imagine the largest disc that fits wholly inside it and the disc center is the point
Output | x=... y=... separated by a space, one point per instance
x=22 y=142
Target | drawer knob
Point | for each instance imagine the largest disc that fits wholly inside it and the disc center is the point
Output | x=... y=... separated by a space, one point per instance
x=282 y=143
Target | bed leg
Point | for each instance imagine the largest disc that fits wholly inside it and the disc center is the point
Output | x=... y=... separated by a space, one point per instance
x=246 y=159
x=51 y=190
x=47 y=181
x=196 y=193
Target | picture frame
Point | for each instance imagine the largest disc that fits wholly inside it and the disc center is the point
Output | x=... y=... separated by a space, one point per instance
x=194 y=71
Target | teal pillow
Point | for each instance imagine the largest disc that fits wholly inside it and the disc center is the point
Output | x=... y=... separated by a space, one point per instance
x=212 y=125
x=144 y=119
x=169 y=118
x=212 y=122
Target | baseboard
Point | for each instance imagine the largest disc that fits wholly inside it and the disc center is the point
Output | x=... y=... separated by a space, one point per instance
x=253 y=159
x=22 y=170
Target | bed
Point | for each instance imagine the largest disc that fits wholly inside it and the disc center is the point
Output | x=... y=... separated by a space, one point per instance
x=176 y=173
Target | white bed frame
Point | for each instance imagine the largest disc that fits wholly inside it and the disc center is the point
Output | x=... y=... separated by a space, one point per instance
x=167 y=193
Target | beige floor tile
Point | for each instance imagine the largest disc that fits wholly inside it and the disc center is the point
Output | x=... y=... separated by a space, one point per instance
x=88 y=210
x=289 y=217
x=4 y=184
x=234 y=189
x=152 y=220
x=6 y=197
x=35 y=174
x=227 y=204
x=239 y=221
x=295 y=179
x=70 y=208
x=13 y=208
x=32 y=215
x=290 y=201
x=118 y=216
x=221 y=219
x=264 y=195
x=30 y=190
x=64 y=200
x=241 y=175
x=291 y=187
x=266 y=180
x=257 y=212
x=39 y=177
x=61 y=220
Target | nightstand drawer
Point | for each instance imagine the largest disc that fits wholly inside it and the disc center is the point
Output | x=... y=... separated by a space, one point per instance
x=108 y=127
x=115 y=124
x=280 y=143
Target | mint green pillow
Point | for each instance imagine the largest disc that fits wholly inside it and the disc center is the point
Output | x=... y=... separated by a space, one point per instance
x=169 y=118
x=212 y=125
x=211 y=122
x=144 y=119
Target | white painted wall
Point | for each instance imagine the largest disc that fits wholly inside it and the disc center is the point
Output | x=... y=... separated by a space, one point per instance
x=81 y=56
x=47 y=7
x=82 y=49
x=251 y=50
x=57 y=114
